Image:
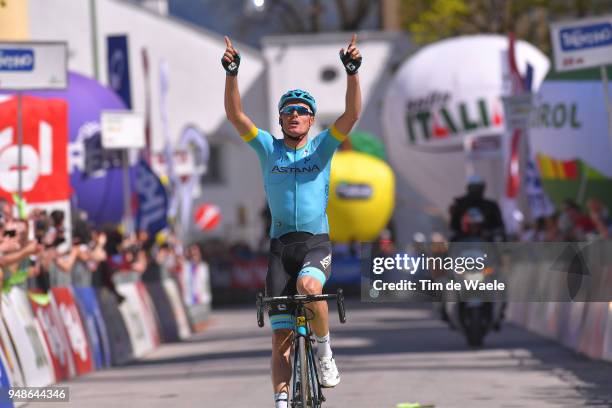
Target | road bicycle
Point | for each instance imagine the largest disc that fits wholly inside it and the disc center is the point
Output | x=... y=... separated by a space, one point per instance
x=306 y=388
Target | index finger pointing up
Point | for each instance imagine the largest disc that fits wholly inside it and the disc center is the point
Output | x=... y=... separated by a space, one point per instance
x=228 y=43
x=353 y=40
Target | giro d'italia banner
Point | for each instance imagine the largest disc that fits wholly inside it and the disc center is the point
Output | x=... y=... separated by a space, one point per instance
x=437 y=115
x=570 y=140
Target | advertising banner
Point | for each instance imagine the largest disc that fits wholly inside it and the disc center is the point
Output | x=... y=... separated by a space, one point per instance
x=118 y=65
x=11 y=363
x=48 y=317
x=149 y=315
x=152 y=213
x=75 y=331
x=569 y=140
x=122 y=130
x=5 y=384
x=34 y=65
x=132 y=312
x=120 y=344
x=195 y=282
x=163 y=308
x=607 y=343
x=582 y=43
x=594 y=330
x=178 y=307
x=44 y=151
x=28 y=339
x=94 y=323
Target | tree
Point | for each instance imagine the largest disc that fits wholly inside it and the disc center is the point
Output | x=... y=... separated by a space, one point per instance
x=306 y=16
x=432 y=20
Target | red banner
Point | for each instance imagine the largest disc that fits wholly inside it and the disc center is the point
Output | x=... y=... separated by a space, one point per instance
x=44 y=164
x=75 y=330
x=47 y=316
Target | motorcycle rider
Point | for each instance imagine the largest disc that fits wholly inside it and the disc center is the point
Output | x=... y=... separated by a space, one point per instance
x=493 y=228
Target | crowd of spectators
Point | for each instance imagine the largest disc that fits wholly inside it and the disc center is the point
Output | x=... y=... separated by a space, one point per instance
x=37 y=252
x=571 y=223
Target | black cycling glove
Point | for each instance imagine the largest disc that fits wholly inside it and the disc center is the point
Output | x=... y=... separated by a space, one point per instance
x=350 y=64
x=231 y=68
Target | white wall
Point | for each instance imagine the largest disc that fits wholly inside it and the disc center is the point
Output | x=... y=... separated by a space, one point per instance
x=298 y=62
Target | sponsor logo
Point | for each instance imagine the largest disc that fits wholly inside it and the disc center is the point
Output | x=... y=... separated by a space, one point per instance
x=305 y=169
x=326 y=261
x=16 y=60
x=117 y=69
x=580 y=38
x=560 y=115
x=350 y=191
x=76 y=336
x=436 y=117
x=53 y=336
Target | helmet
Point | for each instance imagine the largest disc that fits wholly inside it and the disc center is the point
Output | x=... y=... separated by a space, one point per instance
x=298 y=95
x=475 y=179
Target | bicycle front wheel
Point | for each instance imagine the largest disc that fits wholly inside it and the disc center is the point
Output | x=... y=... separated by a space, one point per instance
x=305 y=397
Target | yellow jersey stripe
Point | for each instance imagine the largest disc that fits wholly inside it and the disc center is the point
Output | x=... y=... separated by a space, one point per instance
x=250 y=135
x=337 y=134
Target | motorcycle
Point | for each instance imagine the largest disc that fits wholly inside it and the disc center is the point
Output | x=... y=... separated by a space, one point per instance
x=474 y=312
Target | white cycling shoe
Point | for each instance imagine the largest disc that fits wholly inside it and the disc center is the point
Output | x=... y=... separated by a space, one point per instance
x=330 y=377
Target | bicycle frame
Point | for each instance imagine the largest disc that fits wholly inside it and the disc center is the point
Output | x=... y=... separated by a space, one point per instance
x=301 y=330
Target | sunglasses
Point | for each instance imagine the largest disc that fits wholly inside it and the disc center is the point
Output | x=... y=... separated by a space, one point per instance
x=301 y=110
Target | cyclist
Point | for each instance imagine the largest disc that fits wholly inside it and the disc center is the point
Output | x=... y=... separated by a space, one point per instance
x=296 y=172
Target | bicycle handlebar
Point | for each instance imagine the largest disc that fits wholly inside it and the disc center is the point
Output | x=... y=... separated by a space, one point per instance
x=303 y=299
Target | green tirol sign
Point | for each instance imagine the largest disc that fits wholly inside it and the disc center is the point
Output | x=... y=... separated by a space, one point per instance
x=557 y=115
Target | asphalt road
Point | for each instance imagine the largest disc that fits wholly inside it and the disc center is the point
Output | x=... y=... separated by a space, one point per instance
x=387 y=354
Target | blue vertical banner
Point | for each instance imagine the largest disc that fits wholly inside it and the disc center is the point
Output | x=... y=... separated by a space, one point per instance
x=152 y=213
x=119 y=67
x=94 y=325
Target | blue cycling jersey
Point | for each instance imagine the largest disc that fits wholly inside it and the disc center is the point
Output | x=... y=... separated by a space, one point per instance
x=296 y=180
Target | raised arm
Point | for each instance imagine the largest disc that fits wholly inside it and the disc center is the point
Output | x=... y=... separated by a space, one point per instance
x=233 y=105
x=351 y=60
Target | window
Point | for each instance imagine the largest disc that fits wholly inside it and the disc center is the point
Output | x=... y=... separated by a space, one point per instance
x=213 y=174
